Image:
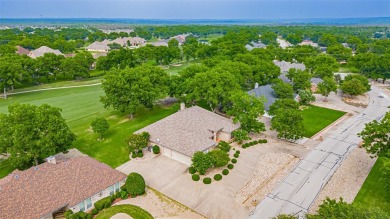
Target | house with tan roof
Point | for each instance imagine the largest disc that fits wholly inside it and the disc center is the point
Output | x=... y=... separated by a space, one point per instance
x=192 y=129
x=42 y=51
x=49 y=189
x=286 y=66
x=22 y=51
x=98 y=47
x=308 y=43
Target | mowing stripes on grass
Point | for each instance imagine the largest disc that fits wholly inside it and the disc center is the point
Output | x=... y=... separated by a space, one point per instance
x=317 y=118
x=131 y=210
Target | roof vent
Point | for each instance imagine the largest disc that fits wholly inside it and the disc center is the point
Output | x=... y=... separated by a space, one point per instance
x=36 y=168
x=51 y=160
x=16 y=176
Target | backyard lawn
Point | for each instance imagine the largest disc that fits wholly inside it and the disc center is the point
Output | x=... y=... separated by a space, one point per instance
x=79 y=107
x=131 y=210
x=317 y=118
x=373 y=192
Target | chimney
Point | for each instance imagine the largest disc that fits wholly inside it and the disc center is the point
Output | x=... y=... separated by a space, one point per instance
x=51 y=160
x=256 y=85
x=182 y=106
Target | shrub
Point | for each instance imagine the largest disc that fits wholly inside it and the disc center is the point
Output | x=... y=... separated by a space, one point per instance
x=68 y=213
x=225 y=172
x=156 y=149
x=236 y=155
x=230 y=166
x=80 y=215
x=100 y=205
x=195 y=177
x=123 y=194
x=202 y=162
x=238 y=152
x=117 y=195
x=234 y=160
x=94 y=211
x=135 y=184
x=133 y=155
x=220 y=157
x=89 y=216
x=191 y=170
x=123 y=188
x=224 y=146
x=240 y=135
x=262 y=141
x=217 y=177
x=207 y=180
x=140 y=154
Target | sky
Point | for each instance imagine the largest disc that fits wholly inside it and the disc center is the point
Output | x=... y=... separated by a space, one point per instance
x=195 y=9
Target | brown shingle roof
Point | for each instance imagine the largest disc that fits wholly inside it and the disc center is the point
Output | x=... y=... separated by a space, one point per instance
x=40 y=190
x=22 y=51
x=189 y=130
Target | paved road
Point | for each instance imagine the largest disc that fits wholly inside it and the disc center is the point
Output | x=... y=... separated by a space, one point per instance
x=296 y=193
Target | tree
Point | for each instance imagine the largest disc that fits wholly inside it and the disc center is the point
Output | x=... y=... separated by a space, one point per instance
x=327 y=40
x=288 y=123
x=135 y=184
x=10 y=72
x=49 y=64
x=326 y=86
x=100 y=126
x=269 y=38
x=127 y=89
x=283 y=104
x=240 y=135
x=305 y=97
x=354 y=42
x=137 y=142
x=31 y=133
x=339 y=52
x=220 y=157
x=300 y=79
x=282 y=89
x=363 y=80
x=353 y=87
x=342 y=210
x=376 y=137
x=245 y=109
x=202 y=162
x=323 y=71
x=294 y=38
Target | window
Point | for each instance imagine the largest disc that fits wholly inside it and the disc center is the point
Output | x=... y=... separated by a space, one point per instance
x=88 y=203
x=81 y=206
x=117 y=187
x=111 y=189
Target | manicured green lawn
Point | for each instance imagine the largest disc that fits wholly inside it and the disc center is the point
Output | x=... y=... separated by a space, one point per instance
x=5 y=168
x=317 y=118
x=373 y=192
x=175 y=68
x=132 y=210
x=79 y=107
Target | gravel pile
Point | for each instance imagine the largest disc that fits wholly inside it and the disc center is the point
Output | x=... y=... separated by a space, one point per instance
x=348 y=179
x=267 y=167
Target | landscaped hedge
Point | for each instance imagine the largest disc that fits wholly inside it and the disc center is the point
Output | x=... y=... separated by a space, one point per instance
x=140 y=154
x=94 y=211
x=260 y=141
x=195 y=177
x=103 y=203
x=230 y=166
x=225 y=172
x=224 y=146
x=217 y=177
x=80 y=215
x=238 y=152
x=234 y=160
x=207 y=180
x=135 y=184
x=156 y=149
x=191 y=170
x=123 y=194
x=133 y=155
x=236 y=155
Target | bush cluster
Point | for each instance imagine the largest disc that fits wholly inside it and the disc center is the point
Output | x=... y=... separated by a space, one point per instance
x=236 y=155
x=135 y=184
x=103 y=203
x=156 y=149
x=260 y=141
x=224 y=146
x=80 y=215
x=133 y=155
x=234 y=160
x=207 y=180
x=123 y=194
x=195 y=177
x=217 y=177
x=230 y=166
x=191 y=170
x=140 y=154
x=225 y=172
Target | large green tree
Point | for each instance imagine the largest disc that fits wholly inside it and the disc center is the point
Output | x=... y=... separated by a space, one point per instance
x=137 y=142
x=326 y=86
x=202 y=162
x=376 y=136
x=288 y=122
x=127 y=89
x=282 y=89
x=100 y=126
x=31 y=133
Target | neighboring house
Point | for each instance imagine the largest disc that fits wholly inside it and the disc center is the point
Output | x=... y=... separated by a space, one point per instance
x=346 y=45
x=194 y=129
x=137 y=41
x=42 y=51
x=159 y=43
x=314 y=84
x=181 y=38
x=22 y=51
x=286 y=66
x=98 y=47
x=308 y=43
x=283 y=43
x=254 y=45
x=269 y=94
x=49 y=189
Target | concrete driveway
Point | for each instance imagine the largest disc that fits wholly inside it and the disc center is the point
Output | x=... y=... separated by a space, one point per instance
x=217 y=200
